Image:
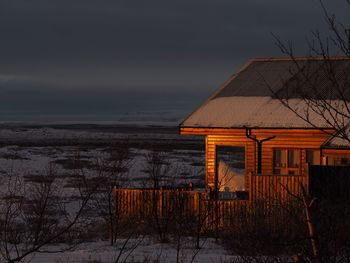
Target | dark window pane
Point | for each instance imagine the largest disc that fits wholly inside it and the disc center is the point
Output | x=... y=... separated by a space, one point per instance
x=310 y=156
x=293 y=158
x=313 y=157
x=278 y=158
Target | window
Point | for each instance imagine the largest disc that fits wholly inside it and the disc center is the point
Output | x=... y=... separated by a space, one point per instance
x=230 y=169
x=338 y=160
x=286 y=161
x=313 y=157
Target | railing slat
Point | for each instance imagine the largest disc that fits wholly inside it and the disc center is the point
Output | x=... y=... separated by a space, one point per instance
x=276 y=187
x=267 y=190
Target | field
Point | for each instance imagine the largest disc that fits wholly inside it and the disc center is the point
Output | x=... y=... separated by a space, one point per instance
x=29 y=150
x=32 y=153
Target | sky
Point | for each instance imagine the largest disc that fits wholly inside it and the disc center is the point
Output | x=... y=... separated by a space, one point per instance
x=105 y=58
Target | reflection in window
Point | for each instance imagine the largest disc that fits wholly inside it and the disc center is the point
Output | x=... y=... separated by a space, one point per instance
x=286 y=161
x=293 y=158
x=230 y=167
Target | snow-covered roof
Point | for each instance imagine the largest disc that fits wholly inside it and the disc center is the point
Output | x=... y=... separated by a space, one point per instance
x=340 y=139
x=252 y=96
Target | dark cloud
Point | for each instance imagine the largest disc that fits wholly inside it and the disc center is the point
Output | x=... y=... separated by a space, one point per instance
x=152 y=47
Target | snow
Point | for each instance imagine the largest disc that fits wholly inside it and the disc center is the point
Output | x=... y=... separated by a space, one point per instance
x=230 y=180
x=248 y=98
x=262 y=112
x=30 y=161
x=47 y=145
x=102 y=252
x=339 y=139
x=337 y=142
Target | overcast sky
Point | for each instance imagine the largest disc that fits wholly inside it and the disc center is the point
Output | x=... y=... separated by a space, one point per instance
x=100 y=56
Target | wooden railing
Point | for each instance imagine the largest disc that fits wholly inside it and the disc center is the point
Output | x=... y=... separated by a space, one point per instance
x=141 y=203
x=266 y=193
x=171 y=204
x=224 y=213
x=277 y=187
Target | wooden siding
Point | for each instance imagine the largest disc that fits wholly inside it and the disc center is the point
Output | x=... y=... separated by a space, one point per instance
x=262 y=131
x=266 y=189
x=293 y=139
x=213 y=141
x=336 y=152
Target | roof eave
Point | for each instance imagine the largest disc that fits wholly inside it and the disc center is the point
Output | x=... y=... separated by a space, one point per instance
x=254 y=127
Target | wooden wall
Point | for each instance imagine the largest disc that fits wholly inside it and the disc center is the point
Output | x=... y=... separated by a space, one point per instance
x=340 y=153
x=285 y=138
x=213 y=140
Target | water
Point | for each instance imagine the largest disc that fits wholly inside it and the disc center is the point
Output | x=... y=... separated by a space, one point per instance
x=156 y=117
x=140 y=108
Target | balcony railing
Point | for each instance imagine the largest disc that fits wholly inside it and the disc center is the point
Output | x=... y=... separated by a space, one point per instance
x=266 y=192
x=276 y=187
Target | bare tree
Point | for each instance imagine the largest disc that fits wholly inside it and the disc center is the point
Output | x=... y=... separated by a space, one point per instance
x=319 y=94
x=111 y=172
x=157 y=167
x=35 y=214
x=321 y=81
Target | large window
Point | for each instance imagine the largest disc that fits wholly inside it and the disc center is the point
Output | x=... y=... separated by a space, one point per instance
x=286 y=161
x=230 y=169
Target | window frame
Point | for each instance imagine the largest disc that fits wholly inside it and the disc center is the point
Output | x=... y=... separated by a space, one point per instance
x=217 y=148
x=285 y=155
x=316 y=151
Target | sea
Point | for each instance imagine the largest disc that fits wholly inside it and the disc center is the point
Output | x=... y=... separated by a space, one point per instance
x=128 y=118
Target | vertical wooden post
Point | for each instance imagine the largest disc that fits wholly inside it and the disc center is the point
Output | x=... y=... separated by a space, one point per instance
x=161 y=202
x=116 y=211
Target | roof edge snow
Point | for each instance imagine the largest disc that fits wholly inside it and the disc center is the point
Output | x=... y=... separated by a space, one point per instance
x=216 y=98
x=218 y=90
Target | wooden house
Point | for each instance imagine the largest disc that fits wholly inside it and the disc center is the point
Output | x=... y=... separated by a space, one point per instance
x=248 y=117
x=257 y=147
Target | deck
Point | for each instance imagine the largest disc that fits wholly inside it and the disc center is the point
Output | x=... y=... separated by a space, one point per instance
x=265 y=192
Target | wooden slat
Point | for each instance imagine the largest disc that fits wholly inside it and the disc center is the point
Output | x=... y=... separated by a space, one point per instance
x=276 y=187
x=264 y=189
x=285 y=138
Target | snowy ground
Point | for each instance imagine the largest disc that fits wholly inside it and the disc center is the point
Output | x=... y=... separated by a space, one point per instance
x=139 y=250
x=28 y=151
